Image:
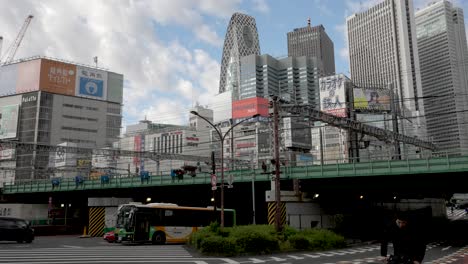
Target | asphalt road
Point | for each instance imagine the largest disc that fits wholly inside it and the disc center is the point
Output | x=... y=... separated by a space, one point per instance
x=74 y=250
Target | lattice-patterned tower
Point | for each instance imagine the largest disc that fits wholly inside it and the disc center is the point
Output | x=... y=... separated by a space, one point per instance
x=241 y=40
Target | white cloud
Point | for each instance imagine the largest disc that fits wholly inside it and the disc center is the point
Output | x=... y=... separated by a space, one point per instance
x=261 y=6
x=322 y=5
x=125 y=38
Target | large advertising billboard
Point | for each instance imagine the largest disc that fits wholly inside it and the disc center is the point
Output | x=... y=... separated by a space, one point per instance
x=333 y=95
x=28 y=77
x=57 y=77
x=371 y=99
x=296 y=133
x=91 y=83
x=8 y=75
x=249 y=107
x=9 y=121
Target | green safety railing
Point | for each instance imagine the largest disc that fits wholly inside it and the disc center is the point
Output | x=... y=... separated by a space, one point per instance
x=373 y=168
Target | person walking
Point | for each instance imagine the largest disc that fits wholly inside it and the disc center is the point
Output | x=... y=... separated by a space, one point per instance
x=409 y=245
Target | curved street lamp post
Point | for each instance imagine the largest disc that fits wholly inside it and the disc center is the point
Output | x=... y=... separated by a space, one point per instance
x=222 y=137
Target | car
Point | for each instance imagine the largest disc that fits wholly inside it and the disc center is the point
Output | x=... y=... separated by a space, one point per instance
x=15 y=229
x=110 y=237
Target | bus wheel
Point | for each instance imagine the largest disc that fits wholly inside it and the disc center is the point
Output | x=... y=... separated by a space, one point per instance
x=159 y=238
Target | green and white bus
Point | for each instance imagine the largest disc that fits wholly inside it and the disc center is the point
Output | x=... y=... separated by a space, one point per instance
x=162 y=223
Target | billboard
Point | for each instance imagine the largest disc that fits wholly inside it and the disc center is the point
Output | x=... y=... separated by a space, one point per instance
x=249 y=107
x=28 y=76
x=57 y=77
x=333 y=95
x=8 y=76
x=7 y=154
x=372 y=99
x=9 y=121
x=91 y=83
x=296 y=133
x=115 y=87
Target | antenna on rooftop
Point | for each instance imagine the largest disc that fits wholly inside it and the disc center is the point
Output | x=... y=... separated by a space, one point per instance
x=308 y=22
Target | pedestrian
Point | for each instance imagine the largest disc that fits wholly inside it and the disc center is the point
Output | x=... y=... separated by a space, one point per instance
x=264 y=166
x=409 y=245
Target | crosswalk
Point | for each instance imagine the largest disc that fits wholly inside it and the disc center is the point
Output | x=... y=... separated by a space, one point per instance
x=102 y=254
x=148 y=254
x=456 y=214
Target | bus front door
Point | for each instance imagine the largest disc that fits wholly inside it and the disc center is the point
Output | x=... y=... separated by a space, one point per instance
x=142 y=228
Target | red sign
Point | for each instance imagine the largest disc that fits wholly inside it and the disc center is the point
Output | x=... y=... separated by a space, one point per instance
x=249 y=107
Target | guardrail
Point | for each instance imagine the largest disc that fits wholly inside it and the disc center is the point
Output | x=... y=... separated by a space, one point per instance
x=372 y=168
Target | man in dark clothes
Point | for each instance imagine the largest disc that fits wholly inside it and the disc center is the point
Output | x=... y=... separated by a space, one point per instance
x=409 y=246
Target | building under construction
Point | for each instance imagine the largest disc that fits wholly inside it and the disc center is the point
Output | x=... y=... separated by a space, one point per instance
x=51 y=102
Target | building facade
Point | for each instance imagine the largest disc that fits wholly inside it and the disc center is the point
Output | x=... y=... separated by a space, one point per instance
x=147 y=136
x=443 y=55
x=313 y=42
x=295 y=79
x=50 y=102
x=241 y=40
x=383 y=53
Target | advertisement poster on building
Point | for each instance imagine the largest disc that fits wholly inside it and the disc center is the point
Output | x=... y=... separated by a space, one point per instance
x=333 y=95
x=9 y=121
x=371 y=99
x=91 y=83
x=57 y=77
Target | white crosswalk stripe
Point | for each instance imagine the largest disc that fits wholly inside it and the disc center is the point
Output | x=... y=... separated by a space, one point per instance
x=456 y=214
x=105 y=254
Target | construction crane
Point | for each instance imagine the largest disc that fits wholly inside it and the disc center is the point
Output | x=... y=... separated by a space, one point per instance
x=10 y=53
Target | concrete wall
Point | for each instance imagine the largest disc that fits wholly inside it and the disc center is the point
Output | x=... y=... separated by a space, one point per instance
x=307 y=215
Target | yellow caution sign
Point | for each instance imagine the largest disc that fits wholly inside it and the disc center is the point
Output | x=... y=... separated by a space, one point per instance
x=96 y=221
x=272 y=213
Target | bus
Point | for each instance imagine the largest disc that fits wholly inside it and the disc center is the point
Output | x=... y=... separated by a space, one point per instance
x=161 y=223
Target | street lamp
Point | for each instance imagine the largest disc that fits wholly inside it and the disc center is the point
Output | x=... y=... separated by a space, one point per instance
x=222 y=137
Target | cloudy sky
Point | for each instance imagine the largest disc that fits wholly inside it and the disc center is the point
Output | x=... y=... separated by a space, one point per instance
x=168 y=50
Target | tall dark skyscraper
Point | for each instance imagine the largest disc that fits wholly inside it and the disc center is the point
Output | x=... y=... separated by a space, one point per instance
x=313 y=42
x=241 y=40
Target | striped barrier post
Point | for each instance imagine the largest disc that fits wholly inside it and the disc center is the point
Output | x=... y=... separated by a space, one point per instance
x=96 y=221
x=272 y=213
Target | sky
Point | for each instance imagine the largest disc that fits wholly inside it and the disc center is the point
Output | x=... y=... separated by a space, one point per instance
x=169 y=51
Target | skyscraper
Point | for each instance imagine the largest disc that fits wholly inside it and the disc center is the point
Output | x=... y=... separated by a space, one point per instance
x=383 y=53
x=443 y=55
x=241 y=40
x=313 y=42
x=295 y=79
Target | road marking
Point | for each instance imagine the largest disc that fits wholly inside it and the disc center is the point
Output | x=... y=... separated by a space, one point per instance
x=311 y=256
x=277 y=259
x=295 y=257
x=229 y=261
x=66 y=246
x=118 y=261
x=445 y=248
x=256 y=260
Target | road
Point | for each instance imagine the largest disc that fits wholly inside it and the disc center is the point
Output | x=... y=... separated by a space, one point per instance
x=74 y=250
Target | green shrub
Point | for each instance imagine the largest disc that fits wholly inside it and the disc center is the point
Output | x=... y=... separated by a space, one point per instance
x=299 y=241
x=219 y=246
x=258 y=239
x=321 y=239
x=288 y=232
x=261 y=239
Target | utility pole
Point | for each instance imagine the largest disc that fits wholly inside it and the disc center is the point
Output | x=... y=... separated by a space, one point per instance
x=278 y=226
x=394 y=109
x=213 y=170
